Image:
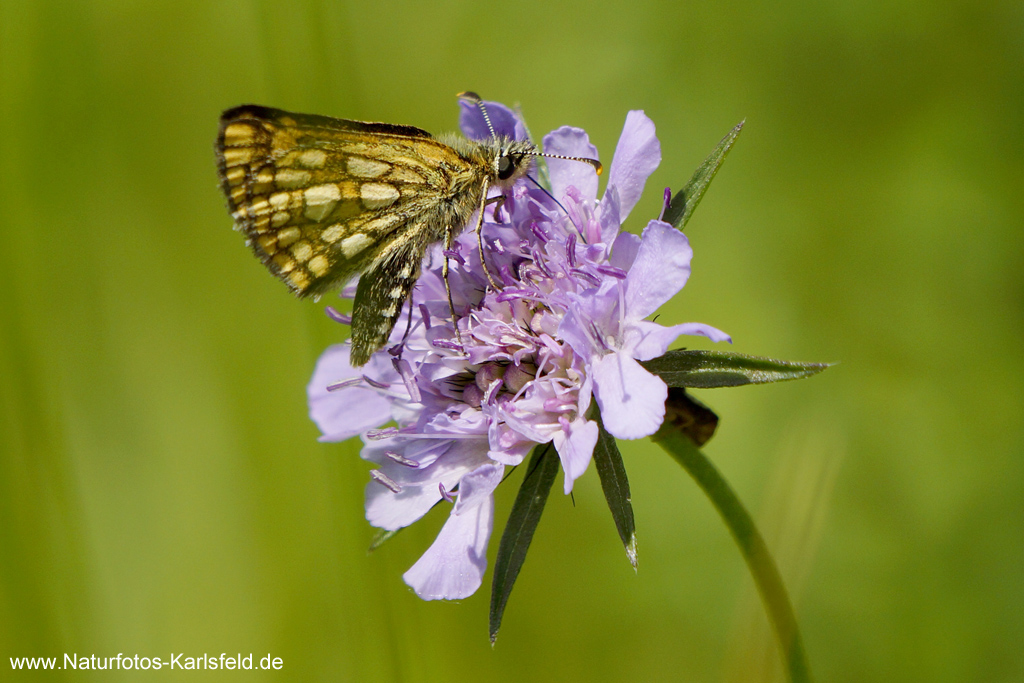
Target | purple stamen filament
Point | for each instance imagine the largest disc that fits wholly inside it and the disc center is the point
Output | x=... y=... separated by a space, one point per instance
x=337 y=316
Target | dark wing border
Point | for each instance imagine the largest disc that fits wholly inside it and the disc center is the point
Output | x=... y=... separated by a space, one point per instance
x=317 y=121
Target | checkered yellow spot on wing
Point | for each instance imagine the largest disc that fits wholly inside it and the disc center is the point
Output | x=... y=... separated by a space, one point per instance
x=321 y=199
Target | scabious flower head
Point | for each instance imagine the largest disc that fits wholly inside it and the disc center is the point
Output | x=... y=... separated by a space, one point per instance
x=566 y=328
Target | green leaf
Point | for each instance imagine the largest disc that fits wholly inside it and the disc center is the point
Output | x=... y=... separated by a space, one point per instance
x=612 y=473
x=681 y=207
x=699 y=369
x=690 y=416
x=522 y=522
x=380 y=538
x=752 y=546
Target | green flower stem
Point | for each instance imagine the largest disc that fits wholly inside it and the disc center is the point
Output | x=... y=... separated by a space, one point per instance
x=752 y=545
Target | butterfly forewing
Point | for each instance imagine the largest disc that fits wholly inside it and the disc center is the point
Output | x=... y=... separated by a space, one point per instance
x=320 y=199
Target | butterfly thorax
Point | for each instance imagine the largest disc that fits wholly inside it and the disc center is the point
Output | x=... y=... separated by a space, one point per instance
x=504 y=159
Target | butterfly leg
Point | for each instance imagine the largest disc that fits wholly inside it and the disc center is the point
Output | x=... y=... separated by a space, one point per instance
x=498 y=202
x=480 y=236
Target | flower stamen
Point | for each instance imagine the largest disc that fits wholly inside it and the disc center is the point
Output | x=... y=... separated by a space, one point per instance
x=444 y=493
x=404 y=370
x=337 y=316
x=401 y=459
x=385 y=481
x=376 y=384
x=570 y=249
x=344 y=383
x=445 y=344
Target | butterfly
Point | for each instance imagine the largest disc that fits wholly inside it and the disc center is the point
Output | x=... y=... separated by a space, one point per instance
x=321 y=200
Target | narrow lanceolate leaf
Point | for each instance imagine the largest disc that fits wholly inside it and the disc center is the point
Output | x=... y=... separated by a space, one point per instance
x=522 y=522
x=612 y=472
x=698 y=369
x=681 y=207
x=689 y=416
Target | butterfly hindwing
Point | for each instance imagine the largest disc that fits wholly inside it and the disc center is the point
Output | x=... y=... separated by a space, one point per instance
x=383 y=289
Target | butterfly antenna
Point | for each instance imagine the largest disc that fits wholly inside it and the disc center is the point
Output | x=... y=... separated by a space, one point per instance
x=593 y=162
x=470 y=96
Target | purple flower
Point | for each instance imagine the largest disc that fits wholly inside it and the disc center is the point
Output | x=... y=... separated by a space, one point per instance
x=567 y=325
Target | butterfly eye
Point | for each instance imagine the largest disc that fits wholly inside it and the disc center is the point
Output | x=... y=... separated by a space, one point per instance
x=506 y=167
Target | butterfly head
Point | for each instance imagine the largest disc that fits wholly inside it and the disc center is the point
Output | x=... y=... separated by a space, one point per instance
x=512 y=160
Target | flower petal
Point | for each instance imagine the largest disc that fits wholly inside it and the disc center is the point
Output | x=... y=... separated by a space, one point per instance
x=596 y=311
x=388 y=510
x=624 y=250
x=573 y=330
x=647 y=340
x=632 y=400
x=478 y=485
x=571 y=142
x=346 y=412
x=575 y=447
x=505 y=121
x=636 y=156
x=712 y=333
x=453 y=566
x=660 y=270
x=445 y=463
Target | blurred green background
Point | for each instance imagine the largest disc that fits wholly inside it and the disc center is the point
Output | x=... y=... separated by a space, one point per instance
x=162 y=489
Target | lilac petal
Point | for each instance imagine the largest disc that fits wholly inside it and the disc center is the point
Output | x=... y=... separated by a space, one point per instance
x=344 y=413
x=514 y=454
x=624 y=250
x=453 y=566
x=585 y=393
x=505 y=121
x=596 y=311
x=453 y=460
x=575 y=448
x=424 y=452
x=509 y=442
x=632 y=400
x=573 y=330
x=592 y=318
x=660 y=270
x=712 y=333
x=636 y=156
x=478 y=485
x=514 y=427
x=571 y=142
x=608 y=214
x=647 y=340
x=388 y=510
